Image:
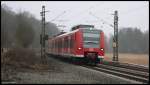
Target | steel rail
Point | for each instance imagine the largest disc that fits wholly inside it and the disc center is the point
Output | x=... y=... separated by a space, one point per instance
x=126 y=70
x=120 y=73
x=127 y=65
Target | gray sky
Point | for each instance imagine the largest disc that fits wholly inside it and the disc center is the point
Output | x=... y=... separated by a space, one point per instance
x=131 y=13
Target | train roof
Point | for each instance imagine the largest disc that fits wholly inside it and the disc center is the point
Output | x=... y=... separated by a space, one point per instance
x=81 y=26
x=73 y=31
x=64 y=34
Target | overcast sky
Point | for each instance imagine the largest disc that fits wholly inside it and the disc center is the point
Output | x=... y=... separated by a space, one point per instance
x=131 y=13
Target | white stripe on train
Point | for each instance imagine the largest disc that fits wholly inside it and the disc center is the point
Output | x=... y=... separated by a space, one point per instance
x=81 y=56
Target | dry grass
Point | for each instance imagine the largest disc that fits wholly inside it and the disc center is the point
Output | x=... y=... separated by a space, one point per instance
x=142 y=59
x=22 y=58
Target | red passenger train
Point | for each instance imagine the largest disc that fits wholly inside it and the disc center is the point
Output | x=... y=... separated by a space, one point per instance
x=84 y=43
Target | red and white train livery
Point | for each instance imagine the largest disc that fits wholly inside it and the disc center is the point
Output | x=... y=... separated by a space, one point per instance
x=83 y=43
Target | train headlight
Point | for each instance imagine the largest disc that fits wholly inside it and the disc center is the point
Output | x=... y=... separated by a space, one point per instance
x=79 y=48
x=102 y=49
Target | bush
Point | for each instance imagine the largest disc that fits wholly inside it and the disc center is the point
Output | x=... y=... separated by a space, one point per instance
x=20 y=57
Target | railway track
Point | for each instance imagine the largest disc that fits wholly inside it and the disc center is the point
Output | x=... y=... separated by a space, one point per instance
x=125 y=72
x=127 y=65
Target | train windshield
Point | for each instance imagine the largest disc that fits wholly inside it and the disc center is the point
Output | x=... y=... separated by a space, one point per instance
x=91 y=38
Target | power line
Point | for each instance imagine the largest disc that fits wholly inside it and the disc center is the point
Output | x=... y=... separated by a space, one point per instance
x=80 y=13
x=58 y=16
x=91 y=7
x=61 y=20
x=133 y=10
x=110 y=6
x=104 y=22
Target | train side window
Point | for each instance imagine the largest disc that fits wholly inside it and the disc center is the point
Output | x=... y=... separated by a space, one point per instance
x=58 y=44
x=55 y=44
x=71 y=42
x=67 y=42
x=52 y=45
x=49 y=45
x=64 y=42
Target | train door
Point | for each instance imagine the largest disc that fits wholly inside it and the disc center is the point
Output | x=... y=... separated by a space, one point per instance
x=72 y=43
x=62 y=48
x=69 y=38
x=65 y=45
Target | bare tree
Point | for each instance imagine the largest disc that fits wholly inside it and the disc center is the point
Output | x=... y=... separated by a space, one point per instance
x=22 y=28
x=24 y=32
x=132 y=40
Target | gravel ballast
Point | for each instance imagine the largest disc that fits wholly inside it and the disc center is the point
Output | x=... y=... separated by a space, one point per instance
x=63 y=73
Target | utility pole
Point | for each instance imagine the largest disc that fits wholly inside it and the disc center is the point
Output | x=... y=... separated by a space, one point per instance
x=115 y=39
x=43 y=37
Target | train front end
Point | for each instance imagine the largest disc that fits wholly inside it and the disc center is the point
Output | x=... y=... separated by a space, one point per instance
x=91 y=45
